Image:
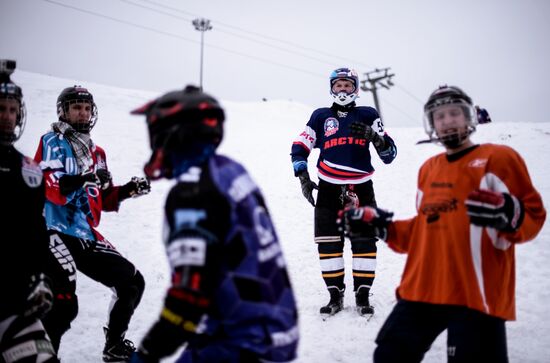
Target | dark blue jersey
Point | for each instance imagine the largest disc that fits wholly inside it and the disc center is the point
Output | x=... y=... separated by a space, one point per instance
x=229 y=280
x=343 y=158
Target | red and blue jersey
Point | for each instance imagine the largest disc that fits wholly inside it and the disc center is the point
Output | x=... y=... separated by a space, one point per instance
x=77 y=213
x=344 y=158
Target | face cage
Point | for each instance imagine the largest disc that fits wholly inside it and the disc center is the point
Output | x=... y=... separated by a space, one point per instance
x=78 y=126
x=343 y=98
x=9 y=138
x=471 y=116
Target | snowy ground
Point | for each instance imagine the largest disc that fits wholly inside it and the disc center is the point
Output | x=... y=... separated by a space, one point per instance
x=259 y=135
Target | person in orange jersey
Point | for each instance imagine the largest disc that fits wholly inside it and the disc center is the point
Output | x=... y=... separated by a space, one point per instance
x=474 y=203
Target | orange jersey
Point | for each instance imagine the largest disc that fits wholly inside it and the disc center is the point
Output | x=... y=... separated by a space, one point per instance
x=451 y=261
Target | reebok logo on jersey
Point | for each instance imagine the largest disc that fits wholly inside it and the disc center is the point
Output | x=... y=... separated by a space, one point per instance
x=477 y=163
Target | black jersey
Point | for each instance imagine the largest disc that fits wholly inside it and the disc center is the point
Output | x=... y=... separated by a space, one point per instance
x=24 y=240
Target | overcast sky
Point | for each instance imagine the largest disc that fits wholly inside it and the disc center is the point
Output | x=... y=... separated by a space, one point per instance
x=496 y=50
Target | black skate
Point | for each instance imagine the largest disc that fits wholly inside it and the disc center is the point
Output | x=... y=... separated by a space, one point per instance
x=117 y=349
x=364 y=308
x=335 y=304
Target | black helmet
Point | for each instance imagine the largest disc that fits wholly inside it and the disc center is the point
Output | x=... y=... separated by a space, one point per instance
x=449 y=95
x=181 y=123
x=9 y=90
x=76 y=94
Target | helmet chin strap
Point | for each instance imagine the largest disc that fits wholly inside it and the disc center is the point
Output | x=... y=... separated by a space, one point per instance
x=454 y=140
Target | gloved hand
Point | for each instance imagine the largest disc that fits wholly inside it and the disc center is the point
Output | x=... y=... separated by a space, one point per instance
x=364 y=221
x=501 y=211
x=307 y=186
x=137 y=186
x=40 y=299
x=103 y=178
x=70 y=183
x=362 y=130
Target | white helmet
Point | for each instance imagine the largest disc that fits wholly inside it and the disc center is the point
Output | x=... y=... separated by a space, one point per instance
x=348 y=74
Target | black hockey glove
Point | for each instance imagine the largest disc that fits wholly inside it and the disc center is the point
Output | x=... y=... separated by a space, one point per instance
x=364 y=222
x=70 y=183
x=40 y=298
x=501 y=211
x=364 y=131
x=104 y=178
x=307 y=186
x=137 y=186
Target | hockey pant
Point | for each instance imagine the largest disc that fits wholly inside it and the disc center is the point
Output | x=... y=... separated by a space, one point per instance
x=24 y=340
x=412 y=327
x=100 y=261
x=61 y=269
x=330 y=241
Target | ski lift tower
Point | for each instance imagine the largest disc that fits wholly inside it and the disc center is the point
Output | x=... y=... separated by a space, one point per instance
x=376 y=79
x=202 y=25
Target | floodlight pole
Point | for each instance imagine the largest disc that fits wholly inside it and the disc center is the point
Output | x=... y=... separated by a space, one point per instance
x=202 y=25
x=375 y=79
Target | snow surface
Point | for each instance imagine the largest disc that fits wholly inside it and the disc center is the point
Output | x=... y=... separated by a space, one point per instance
x=259 y=136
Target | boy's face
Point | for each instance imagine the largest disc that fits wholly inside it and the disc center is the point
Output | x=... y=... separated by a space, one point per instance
x=79 y=112
x=449 y=119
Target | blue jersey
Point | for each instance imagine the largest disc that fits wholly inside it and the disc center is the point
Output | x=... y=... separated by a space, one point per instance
x=229 y=280
x=77 y=213
x=343 y=158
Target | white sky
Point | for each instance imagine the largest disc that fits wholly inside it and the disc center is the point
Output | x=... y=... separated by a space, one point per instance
x=496 y=50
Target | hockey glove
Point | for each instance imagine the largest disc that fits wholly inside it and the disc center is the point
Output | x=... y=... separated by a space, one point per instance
x=364 y=131
x=40 y=298
x=365 y=221
x=307 y=186
x=501 y=211
x=137 y=186
x=104 y=178
x=70 y=183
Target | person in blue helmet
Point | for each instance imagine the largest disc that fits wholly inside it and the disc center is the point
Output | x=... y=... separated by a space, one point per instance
x=343 y=132
x=231 y=299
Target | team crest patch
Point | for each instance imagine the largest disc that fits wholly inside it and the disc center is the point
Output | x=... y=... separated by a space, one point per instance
x=31 y=172
x=331 y=126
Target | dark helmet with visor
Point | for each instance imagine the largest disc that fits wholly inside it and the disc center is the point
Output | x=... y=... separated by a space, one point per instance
x=76 y=94
x=184 y=126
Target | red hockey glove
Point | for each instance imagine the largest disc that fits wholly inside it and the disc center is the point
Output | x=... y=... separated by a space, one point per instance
x=501 y=211
x=365 y=221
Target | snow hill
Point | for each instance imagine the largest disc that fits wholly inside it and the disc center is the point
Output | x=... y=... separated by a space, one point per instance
x=259 y=135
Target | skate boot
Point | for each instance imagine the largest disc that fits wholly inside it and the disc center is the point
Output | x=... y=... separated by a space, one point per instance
x=362 y=301
x=336 y=302
x=117 y=349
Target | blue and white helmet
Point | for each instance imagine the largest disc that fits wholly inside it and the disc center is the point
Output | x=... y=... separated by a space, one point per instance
x=348 y=74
